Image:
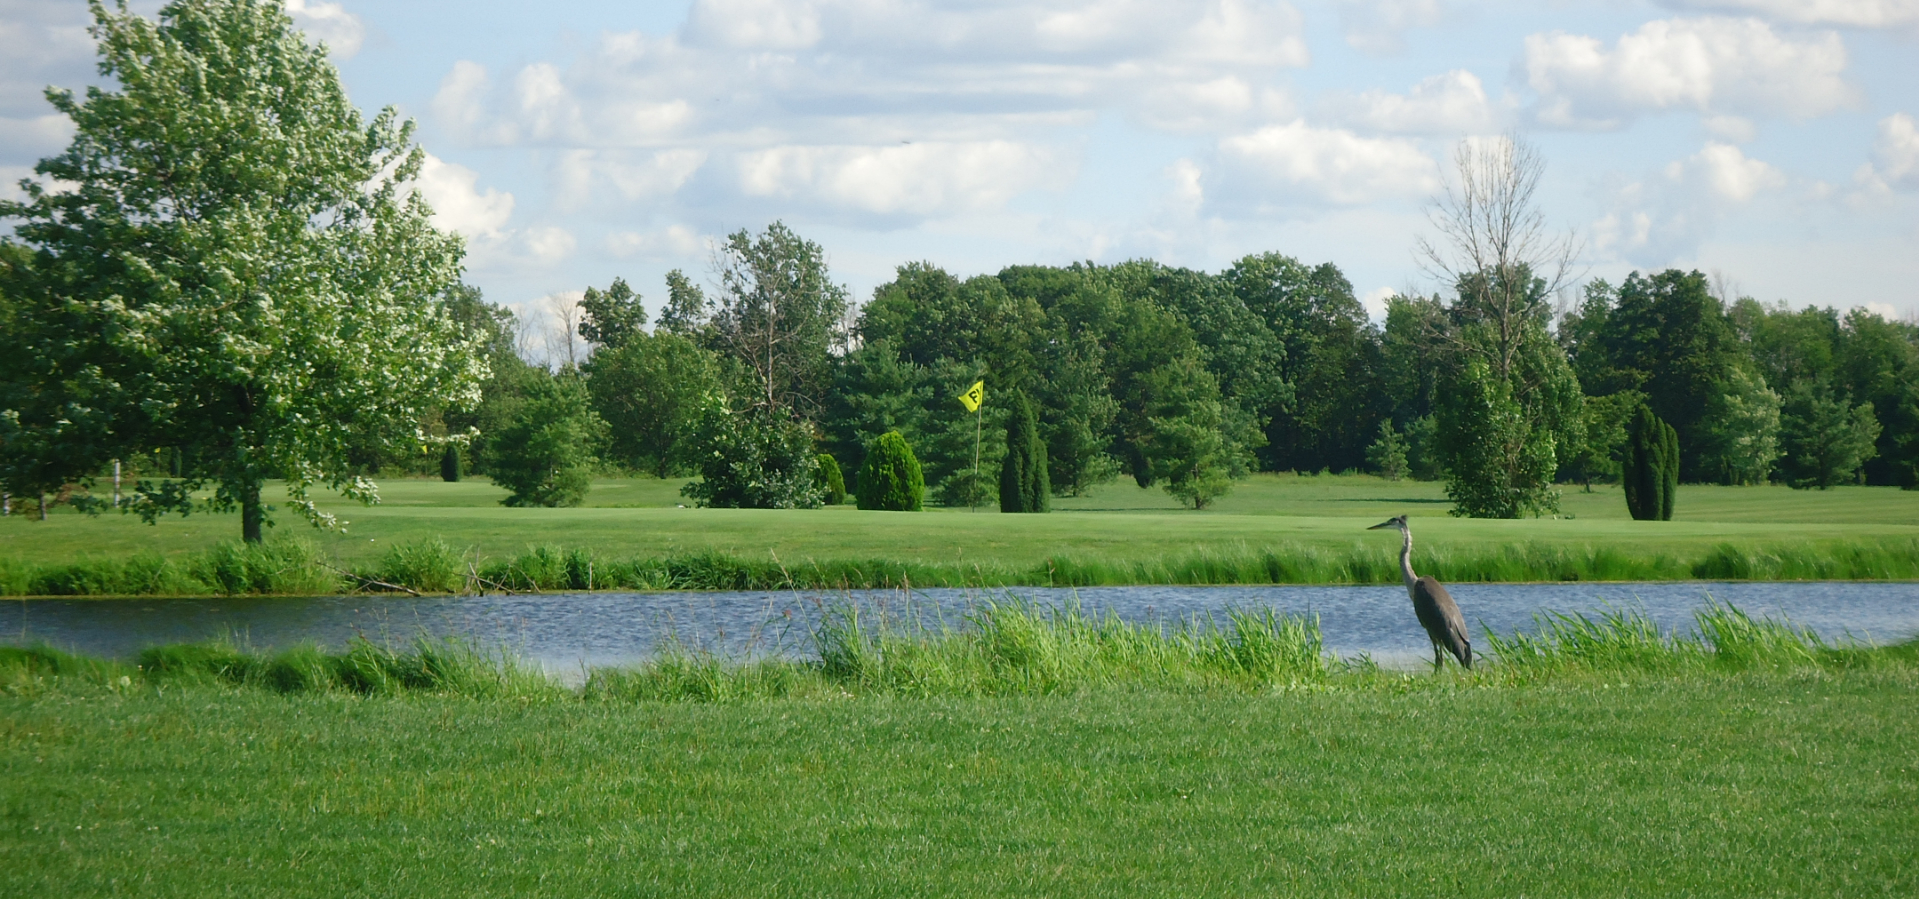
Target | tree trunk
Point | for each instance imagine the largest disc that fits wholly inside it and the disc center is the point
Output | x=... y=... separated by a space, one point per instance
x=252 y=513
x=43 y=505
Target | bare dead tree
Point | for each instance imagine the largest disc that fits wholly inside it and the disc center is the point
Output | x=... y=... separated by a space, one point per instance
x=1495 y=248
x=563 y=338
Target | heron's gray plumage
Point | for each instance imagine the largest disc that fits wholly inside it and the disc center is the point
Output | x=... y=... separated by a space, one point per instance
x=1437 y=612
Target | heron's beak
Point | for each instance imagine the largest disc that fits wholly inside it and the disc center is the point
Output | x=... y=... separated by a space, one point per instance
x=1389 y=523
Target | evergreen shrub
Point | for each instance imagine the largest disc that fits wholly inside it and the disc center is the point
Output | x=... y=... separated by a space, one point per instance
x=1651 y=475
x=891 y=479
x=832 y=484
x=1023 y=484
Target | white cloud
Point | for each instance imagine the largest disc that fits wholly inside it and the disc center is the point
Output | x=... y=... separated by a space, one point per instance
x=1298 y=164
x=674 y=241
x=1846 y=13
x=1895 y=156
x=1664 y=217
x=329 y=22
x=34 y=138
x=911 y=180
x=584 y=175
x=760 y=74
x=46 y=43
x=1713 y=66
x=755 y=24
x=1450 y=103
x=458 y=205
x=1378 y=26
x=548 y=244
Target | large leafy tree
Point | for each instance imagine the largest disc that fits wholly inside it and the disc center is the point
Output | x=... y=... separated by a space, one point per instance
x=544 y=455
x=1667 y=336
x=1826 y=438
x=653 y=390
x=233 y=265
x=1510 y=400
x=777 y=314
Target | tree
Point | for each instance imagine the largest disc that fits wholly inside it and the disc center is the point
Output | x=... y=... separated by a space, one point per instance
x=545 y=456
x=1603 y=449
x=1196 y=443
x=1742 y=428
x=778 y=314
x=238 y=266
x=891 y=480
x=1511 y=399
x=1825 y=439
x=1324 y=413
x=1651 y=470
x=1495 y=246
x=831 y=482
x=611 y=317
x=653 y=391
x=1387 y=455
x=755 y=460
x=687 y=310
x=1497 y=464
x=1023 y=484
x=1667 y=336
x=450 y=464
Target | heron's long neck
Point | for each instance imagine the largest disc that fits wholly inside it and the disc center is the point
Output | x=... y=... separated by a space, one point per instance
x=1406 y=560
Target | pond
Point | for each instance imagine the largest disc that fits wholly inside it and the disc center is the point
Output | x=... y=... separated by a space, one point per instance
x=566 y=633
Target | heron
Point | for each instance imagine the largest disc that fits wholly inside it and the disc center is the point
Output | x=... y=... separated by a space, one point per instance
x=1437 y=612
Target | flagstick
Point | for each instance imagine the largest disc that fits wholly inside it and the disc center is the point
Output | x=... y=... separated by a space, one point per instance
x=977 y=415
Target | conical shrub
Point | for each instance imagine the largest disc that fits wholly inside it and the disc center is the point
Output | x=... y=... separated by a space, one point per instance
x=891 y=479
x=1023 y=484
x=1651 y=473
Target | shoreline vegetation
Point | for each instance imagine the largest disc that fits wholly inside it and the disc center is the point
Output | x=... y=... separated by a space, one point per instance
x=294 y=566
x=1003 y=648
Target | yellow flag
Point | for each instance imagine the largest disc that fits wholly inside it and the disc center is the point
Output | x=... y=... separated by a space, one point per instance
x=973 y=396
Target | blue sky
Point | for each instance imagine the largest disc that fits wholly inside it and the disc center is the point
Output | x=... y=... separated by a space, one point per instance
x=1771 y=143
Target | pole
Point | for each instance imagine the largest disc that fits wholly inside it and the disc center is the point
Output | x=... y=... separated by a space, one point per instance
x=977 y=415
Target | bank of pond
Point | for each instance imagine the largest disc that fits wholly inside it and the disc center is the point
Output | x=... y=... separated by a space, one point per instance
x=293 y=566
x=999 y=647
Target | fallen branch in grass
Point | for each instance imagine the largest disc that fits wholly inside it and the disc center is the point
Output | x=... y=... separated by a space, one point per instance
x=372 y=582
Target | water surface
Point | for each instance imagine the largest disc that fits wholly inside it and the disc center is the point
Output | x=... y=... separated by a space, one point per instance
x=569 y=632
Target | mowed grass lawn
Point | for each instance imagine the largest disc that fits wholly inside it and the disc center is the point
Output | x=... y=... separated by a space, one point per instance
x=639 y=518
x=1756 y=784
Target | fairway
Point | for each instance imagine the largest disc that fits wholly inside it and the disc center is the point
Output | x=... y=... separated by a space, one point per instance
x=641 y=518
x=1736 y=785
x=1117 y=533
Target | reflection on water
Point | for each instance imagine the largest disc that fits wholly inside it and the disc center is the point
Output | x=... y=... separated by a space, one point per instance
x=565 y=632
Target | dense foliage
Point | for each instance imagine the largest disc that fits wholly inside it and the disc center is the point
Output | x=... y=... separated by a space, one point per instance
x=891 y=480
x=1023 y=482
x=546 y=453
x=269 y=309
x=1651 y=469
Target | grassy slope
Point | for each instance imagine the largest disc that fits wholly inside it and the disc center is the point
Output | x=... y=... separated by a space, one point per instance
x=1731 y=785
x=637 y=518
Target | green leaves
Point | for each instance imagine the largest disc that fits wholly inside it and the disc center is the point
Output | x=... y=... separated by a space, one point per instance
x=1826 y=440
x=240 y=269
x=546 y=454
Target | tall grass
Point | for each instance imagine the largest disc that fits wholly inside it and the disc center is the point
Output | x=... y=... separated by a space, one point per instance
x=1000 y=648
x=433 y=566
x=363 y=667
x=1626 y=640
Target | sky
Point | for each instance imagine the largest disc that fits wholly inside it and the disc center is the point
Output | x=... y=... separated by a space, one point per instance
x=1772 y=144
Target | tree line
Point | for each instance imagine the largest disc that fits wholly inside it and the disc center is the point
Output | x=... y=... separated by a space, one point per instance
x=1189 y=380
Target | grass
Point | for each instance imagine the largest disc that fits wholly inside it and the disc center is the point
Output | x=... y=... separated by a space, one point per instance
x=438 y=537
x=1578 y=771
